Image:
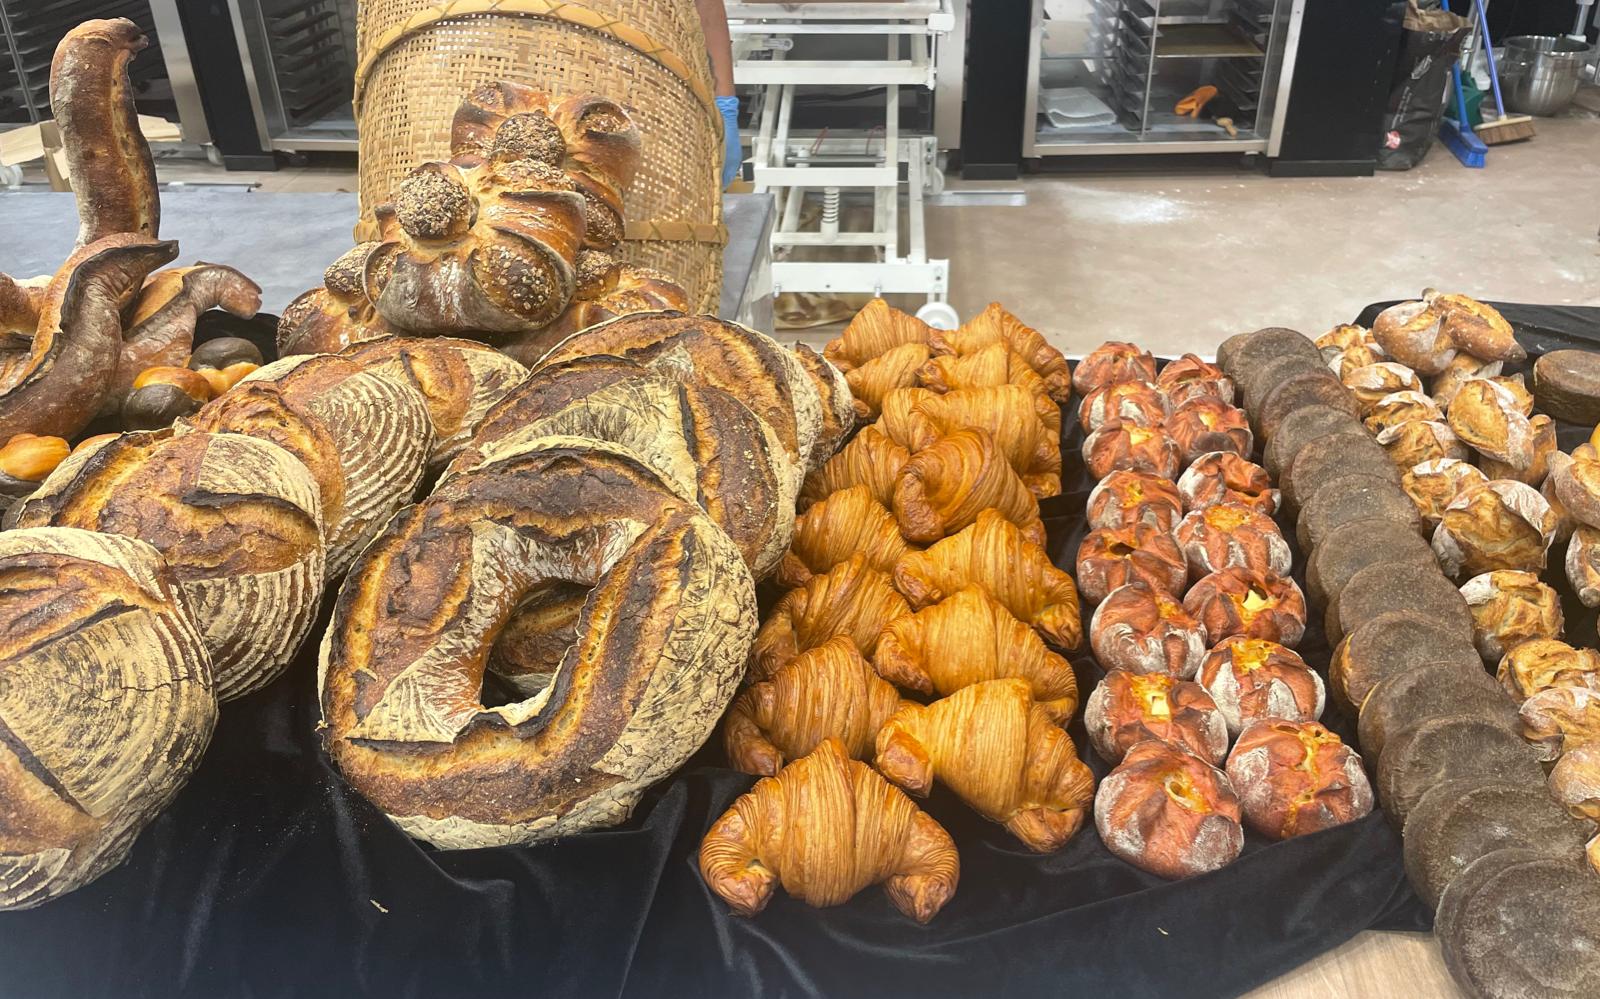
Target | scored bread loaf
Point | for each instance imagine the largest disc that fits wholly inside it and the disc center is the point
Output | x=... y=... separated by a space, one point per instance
x=659 y=647
x=327 y=319
x=379 y=429
x=606 y=289
x=237 y=519
x=106 y=705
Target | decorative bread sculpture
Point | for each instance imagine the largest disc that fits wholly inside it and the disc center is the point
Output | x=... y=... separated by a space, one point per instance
x=605 y=289
x=944 y=488
x=870 y=459
x=106 y=704
x=1111 y=362
x=698 y=437
x=377 y=425
x=458 y=379
x=996 y=325
x=825 y=828
x=874 y=331
x=660 y=645
x=328 y=319
x=60 y=347
x=161 y=321
x=237 y=519
x=749 y=365
x=107 y=158
x=1167 y=811
x=847 y=522
x=1000 y=753
x=969 y=638
x=828 y=692
x=850 y=599
x=994 y=555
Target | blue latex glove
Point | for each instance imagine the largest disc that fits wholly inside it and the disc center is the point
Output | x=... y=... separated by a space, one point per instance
x=733 y=153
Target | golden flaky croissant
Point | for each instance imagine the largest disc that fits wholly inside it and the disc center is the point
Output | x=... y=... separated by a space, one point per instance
x=996 y=325
x=828 y=692
x=944 y=487
x=1000 y=753
x=970 y=638
x=994 y=555
x=995 y=364
x=826 y=827
x=851 y=599
x=870 y=459
x=876 y=329
x=849 y=521
x=876 y=378
x=916 y=418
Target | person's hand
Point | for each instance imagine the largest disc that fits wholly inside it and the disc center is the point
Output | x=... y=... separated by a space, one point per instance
x=733 y=154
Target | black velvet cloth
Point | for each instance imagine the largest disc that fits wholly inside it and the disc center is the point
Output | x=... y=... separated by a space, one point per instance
x=268 y=876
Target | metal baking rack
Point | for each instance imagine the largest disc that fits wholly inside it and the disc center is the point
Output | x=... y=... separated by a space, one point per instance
x=33 y=28
x=299 y=58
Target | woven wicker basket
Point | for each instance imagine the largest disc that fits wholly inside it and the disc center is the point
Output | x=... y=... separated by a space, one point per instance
x=417 y=58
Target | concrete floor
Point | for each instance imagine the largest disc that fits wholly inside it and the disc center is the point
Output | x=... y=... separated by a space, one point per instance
x=1178 y=261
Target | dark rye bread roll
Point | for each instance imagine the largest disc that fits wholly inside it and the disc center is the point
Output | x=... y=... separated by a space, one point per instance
x=660 y=646
x=1243 y=352
x=1566 y=385
x=1396 y=586
x=237 y=519
x=1357 y=496
x=1272 y=372
x=378 y=425
x=1454 y=746
x=1332 y=456
x=1302 y=390
x=751 y=366
x=105 y=705
x=1391 y=643
x=1522 y=925
x=698 y=437
x=1347 y=549
x=1430 y=689
x=1459 y=821
x=459 y=381
x=1300 y=428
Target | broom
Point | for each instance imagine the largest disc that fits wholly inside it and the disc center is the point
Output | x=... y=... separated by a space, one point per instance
x=1503 y=128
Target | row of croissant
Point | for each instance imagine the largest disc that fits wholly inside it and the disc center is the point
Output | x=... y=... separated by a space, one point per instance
x=965 y=442
x=556 y=626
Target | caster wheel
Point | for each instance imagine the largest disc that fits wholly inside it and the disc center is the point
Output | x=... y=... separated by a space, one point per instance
x=10 y=176
x=939 y=315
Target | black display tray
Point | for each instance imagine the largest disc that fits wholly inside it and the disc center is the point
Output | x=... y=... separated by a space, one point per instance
x=269 y=877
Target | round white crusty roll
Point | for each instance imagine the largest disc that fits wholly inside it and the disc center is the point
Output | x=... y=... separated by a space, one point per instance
x=659 y=647
x=105 y=705
x=238 y=520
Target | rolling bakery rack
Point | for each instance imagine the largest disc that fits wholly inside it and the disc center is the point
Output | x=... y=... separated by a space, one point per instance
x=828 y=163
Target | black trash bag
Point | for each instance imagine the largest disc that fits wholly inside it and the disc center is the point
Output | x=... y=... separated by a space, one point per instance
x=1429 y=45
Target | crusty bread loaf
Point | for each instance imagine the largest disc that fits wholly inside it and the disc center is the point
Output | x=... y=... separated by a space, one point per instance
x=327 y=319
x=238 y=520
x=106 y=705
x=660 y=646
x=459 y=380
x=92 y=101
x=606 y=289
x=838 y=407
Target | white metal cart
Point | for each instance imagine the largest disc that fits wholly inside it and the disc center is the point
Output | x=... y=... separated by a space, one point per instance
x=830 y=163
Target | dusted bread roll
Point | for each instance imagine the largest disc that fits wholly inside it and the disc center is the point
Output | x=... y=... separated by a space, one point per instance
x=945 y=487
x=1123 y=499
x=1000 y=753
x=1295 y=778
x=106 y=705
x=458 y=379
x=237 y=519
x=1115 y=556
x=826 y=827
x=1191 y=377
x=1224 y=477
x=994 y=555
x=1138 y=403
x=1144 y=630
x=750 y=366
x=1252 y=679
x=1167 y=811
x=1232 y=602
x=1111 y=362
x=1128 y=708
x=1501 y=524
x=969 y=638
x=1119 y=446
x=1232 y=536
x=660 y=644
x=320 y=407
x=1205 y=425
x=158 y=330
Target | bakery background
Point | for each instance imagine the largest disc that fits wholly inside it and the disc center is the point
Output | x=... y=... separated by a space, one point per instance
x=901 y=180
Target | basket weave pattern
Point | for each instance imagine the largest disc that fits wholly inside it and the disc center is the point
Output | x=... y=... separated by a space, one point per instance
x=416 y=59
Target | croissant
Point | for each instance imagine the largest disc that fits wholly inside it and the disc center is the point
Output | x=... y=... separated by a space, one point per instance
x=870 y=459
x=900 y=418
x=943 y=489
x=994 y=555
x=851 y=599
x=828 y=692
x=847 y=522
x=827 y=827
x=995 y=364
x=875 y=330
x=970 y=638
x=1000 y=753
x=916 y=418
x=996 y=325
x=876 y=378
